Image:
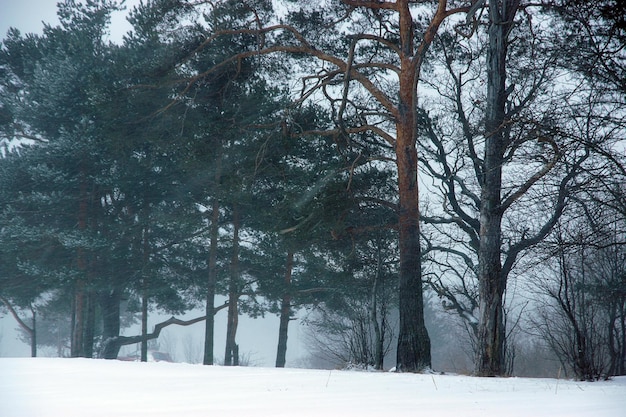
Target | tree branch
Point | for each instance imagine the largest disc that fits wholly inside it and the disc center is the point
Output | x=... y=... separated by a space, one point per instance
x=17 y=318
x=129 y=340
x=536 y=177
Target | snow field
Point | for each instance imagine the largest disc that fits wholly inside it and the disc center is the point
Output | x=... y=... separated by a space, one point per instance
x=47 y=387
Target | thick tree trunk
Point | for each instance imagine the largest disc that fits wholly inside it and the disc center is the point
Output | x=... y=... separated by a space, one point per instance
x=285 y=315
x=231 y=354
x=413 y=354
x=78 y=320
x=491 y=329
x=110 y=307
x=491 y=280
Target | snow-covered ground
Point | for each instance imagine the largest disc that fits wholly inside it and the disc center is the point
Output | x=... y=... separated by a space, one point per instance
x=45 y=387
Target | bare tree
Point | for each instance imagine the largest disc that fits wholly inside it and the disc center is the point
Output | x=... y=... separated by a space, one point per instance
x=509 y=146
x=348 y=337
x=582 y=320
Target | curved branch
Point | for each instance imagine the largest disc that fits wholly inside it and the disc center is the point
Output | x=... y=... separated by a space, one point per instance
x=17 y=318
x=381 y=40
x=467 y=228
x=119 y=341
x=346 y=83
x=559 y=207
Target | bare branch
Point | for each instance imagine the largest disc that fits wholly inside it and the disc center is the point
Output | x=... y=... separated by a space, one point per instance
x=536 y=177
x=559 y=206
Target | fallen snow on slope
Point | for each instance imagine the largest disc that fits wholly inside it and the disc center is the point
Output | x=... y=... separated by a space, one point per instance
x=45 y=387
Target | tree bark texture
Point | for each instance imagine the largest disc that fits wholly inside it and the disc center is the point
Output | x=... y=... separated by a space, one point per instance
x=491 y=281
x=285 y=314
x=413 y=351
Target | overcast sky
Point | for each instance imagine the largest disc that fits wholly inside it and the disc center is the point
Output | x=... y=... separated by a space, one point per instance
x=28 y=15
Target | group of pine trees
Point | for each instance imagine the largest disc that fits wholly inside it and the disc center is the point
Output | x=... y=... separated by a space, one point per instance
x=272 y=153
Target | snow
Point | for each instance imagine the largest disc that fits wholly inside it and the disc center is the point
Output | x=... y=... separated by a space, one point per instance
x=43 y=387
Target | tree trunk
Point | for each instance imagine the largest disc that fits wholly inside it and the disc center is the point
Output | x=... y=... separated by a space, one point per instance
x=90 y=323
x=33 y=335
x=110 y=307
x=621 y=343
x=144 y=323
x=491 y=281
x=491 y=329
x=145 y=294
x=413 y=352
x=77 y=348
x=78 y=319
x=285 y=314
x=379 y=328
x=231 y=355
x=209 y=330
x=621 y=370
